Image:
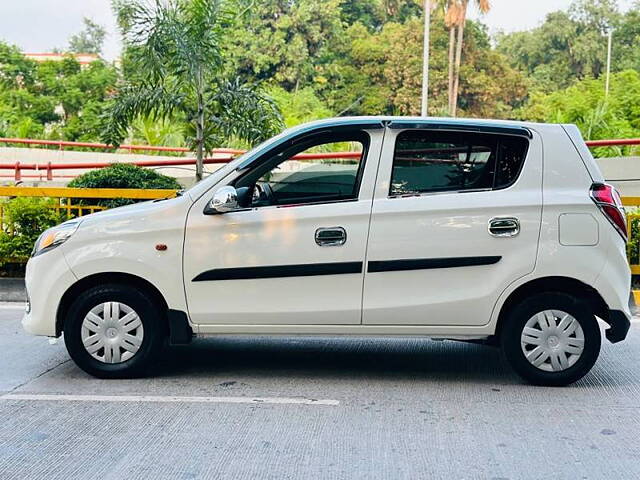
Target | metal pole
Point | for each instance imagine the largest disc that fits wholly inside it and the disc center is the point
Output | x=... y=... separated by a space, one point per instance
x=606 y=82
x=425 y=59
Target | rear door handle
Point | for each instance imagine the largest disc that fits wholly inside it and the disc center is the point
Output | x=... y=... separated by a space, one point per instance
x=331 y=236
x=504 y=226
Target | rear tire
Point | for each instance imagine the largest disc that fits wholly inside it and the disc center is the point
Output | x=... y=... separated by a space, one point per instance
x=114 y=331
x=551 y=339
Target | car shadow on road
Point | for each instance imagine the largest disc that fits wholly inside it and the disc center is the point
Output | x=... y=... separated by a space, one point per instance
x=330 y=357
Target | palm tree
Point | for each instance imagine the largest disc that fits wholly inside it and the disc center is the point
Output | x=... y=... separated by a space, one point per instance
x=455 y=18
x=174 y=60
x=453 y=11
x=425 y=59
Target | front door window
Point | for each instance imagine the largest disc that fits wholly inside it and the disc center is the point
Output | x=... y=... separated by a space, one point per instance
x=326 y=168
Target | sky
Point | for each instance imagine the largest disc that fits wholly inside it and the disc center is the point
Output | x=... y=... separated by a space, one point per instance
x=41 y=25
x=514 y=15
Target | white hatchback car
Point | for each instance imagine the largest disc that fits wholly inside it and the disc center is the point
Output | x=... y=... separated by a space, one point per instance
x=493 y=231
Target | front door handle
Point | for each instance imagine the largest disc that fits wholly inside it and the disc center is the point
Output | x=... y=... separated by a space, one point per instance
x=331 y=236
x=504 y=226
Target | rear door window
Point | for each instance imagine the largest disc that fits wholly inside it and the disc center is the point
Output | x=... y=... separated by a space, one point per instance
x=434 y=161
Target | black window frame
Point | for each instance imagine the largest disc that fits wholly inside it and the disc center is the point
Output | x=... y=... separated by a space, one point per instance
x=498 y=134
x=269 y=160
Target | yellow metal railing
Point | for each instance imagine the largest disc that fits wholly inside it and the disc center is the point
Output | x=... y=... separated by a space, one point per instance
x=633 y=219
x=67 y=198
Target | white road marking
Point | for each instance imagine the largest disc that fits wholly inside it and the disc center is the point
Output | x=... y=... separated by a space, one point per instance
x=166 y=399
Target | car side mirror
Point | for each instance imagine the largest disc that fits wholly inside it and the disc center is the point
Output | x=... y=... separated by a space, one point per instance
x=224 y=200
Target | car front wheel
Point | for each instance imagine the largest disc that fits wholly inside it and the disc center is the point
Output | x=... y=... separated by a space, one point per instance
x=551 y=339
x=114 y=331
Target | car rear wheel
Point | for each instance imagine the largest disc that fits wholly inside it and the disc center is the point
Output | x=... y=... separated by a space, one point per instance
x=114 y=331
x=551 y=339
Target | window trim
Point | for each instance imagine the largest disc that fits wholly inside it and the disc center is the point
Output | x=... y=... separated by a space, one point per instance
x=309 y=136
x=479 y=127
x=501 y=132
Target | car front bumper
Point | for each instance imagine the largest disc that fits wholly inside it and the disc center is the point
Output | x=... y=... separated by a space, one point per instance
x=47 y=278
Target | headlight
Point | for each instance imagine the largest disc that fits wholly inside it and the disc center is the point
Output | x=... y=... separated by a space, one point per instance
x=55 y=236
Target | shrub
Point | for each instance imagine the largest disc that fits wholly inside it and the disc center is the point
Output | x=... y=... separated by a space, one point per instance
x=122 y=175
x=24 y=219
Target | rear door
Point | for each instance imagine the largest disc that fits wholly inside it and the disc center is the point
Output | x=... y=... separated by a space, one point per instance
x=456 y=218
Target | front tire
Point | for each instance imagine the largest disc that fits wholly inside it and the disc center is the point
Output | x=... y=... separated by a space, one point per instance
x=114 y=331
x=551 y=339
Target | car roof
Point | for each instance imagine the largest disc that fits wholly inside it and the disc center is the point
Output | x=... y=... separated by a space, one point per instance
x=445 y=123
x=391 y=119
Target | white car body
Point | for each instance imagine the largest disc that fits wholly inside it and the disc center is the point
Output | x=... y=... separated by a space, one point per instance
x=564 y=239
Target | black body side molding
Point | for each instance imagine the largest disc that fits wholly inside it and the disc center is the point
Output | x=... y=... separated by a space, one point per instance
x=428 y=263
x=340 y=268
x=279 y=271
x=180 y=332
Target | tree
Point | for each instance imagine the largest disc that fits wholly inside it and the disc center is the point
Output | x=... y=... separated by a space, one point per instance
x=90 y=40
x=626 y=54
x=176 y=49
x=380 y=72
x=292 y=44
x=52 y=99
x=570 y=46
x=584 y=103
x=299 y=106
x=456 y=18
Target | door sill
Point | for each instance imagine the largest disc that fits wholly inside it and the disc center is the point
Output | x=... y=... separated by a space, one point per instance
x=458 y=332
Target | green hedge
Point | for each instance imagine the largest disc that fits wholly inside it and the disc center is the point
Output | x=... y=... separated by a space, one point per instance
x=24 y=219
x=121 y=175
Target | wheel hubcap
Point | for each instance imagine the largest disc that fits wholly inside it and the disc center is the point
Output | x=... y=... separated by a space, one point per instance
x=112 y=332
x=552 y=340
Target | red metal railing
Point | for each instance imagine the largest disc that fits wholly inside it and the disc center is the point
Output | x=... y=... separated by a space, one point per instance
x=612 y=143
x=225 y=155
x=49 y=167
x=62 y=145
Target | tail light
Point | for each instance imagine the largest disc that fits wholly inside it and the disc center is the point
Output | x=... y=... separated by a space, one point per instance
x=608 y=201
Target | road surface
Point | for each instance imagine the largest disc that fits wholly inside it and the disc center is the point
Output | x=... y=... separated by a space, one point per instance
x=306 y=408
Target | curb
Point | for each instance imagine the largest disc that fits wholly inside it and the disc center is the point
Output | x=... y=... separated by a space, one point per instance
x=12 y=290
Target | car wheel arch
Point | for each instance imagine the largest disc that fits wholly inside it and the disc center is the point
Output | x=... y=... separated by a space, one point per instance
x=559 y=284
x=102 y=278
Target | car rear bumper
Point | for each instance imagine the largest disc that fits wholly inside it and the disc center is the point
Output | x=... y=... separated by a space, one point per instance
x=619 y=324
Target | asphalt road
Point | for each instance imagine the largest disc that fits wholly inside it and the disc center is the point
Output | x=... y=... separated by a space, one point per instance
x=306 y=408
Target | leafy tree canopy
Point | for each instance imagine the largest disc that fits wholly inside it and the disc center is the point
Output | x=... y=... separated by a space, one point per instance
x=381 y=72
x=570 y=46
x=90 y=40
x=175 y=50
x=584 y=103
x=50 y=99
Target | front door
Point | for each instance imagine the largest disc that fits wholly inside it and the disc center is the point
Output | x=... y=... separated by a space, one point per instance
x=294 y=254
x=455 y=220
